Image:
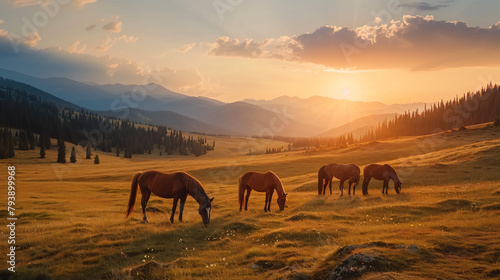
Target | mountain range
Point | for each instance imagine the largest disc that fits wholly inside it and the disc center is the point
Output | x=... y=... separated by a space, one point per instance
x=154 y=104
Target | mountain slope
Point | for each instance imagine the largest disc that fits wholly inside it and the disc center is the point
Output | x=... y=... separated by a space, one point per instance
x=168 y=119
x=357 y=127
x=44 y=96
x=330 y=113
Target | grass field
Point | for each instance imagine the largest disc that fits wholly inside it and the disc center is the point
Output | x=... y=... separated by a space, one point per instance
x=444 y=225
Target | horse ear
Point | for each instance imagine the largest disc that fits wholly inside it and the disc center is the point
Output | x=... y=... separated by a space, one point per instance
x=211 y=199
x=286 y=193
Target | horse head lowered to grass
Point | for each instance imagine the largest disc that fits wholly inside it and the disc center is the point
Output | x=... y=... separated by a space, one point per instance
x=262 y=182
x=381 y=172
x=174 y=185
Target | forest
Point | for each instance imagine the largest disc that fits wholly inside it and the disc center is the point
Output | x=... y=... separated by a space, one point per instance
x=29 y=114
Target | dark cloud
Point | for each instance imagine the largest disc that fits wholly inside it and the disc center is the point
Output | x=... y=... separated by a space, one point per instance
x=416 y=42
x=54 y=62
x=114 y=26
x=424 y=6
x=91 y=27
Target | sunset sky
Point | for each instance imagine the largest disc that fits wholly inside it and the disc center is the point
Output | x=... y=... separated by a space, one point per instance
x=390 y=51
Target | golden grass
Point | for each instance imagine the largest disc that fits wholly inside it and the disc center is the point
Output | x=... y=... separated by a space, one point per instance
x=75 y=227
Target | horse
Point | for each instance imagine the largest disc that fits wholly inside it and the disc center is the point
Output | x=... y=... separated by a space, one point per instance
x=342 y=172
x=262 y=182
x=174 y=185
x=381 y=172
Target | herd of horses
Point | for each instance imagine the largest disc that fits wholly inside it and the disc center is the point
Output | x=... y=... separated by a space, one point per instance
x=179 y=185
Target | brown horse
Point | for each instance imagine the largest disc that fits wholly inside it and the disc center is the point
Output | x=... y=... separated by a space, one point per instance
x=342 y=172
x=381 y=172
x=175 y=185
x=262 y=182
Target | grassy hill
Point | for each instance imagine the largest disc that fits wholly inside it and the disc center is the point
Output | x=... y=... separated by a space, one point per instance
x=444 y=224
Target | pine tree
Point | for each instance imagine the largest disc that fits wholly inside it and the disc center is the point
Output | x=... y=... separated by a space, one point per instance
x=42 y=147
x=117 y=151
x=89 y=152
x=72 y=158
x=96 y=159
x=61 y=152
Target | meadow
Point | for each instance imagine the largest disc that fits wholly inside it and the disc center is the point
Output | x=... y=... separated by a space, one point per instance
x=444 y=225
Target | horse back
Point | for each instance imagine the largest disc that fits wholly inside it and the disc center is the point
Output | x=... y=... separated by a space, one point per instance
x=166 y=185
x=261 y=182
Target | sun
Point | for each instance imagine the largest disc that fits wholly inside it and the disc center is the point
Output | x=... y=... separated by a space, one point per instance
x=345 y=92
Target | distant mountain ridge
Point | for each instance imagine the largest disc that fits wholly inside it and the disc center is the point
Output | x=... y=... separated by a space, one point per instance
x=152 y=103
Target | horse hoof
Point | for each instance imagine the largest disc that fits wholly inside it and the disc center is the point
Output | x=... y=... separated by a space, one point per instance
x=145 y=221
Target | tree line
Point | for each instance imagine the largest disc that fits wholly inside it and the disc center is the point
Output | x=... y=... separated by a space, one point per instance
x=472 y=108
x=30 y=114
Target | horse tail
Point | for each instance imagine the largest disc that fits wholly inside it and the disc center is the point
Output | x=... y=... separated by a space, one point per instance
x=241 y=191
x=357 y=174
x=133 y=193
x=321 y=177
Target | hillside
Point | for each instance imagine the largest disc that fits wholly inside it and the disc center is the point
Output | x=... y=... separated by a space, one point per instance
x=357 y=127
x=331 y=113
x=300 y=117
x=443 y=224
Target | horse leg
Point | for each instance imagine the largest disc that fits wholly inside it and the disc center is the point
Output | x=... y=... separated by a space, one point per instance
x=325 y=183
x=386 y=187
x=341 y=187
x=270 y=199
x=267 y=199
x=331 y=186
x=144 y=201
x=249 y=190
x=350 y=184
x=366 y=181
x=183 y=201
x=173 y=209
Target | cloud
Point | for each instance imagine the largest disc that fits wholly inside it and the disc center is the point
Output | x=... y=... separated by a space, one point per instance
x=224 y=46
x=114 y=26
x=424 y=6
x=32 y=39
x=76 y=48
x=55 y=62
x=186 y=47
x=127 y=39
x=2 y=21
x=106 y=45
x=415 y=43
x=81 y=3
x=495 y=26
x=110 y=41
x=90 y=27
x=3 y=33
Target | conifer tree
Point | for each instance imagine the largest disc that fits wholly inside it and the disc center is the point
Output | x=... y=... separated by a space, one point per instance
x=61 y=151
x=72 y=158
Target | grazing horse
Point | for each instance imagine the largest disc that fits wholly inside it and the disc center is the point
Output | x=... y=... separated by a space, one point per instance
x=262 y=182
x=342 y=172
x=174 y=185
x=381 y=172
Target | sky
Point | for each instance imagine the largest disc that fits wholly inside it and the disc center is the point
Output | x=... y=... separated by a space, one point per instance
x=392 y=51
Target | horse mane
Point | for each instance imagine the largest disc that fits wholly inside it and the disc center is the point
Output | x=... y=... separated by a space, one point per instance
x=193 y=187
x=392 y=170
x=279 y=185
